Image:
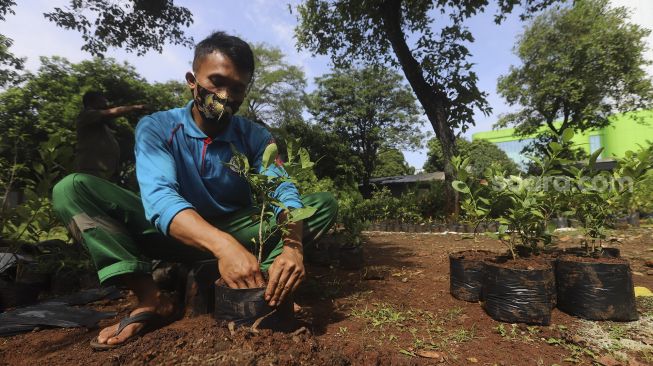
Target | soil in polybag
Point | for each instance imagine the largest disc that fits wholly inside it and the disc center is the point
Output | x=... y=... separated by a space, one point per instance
x=519 y=291
x=466 y=272
x=596 y=288
x=602 y=252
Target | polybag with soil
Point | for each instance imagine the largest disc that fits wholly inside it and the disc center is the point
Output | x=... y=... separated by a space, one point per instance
x=519 y=292
x=596 y=288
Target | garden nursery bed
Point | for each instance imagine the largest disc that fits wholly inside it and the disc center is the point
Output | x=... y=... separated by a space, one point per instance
x=396 y=310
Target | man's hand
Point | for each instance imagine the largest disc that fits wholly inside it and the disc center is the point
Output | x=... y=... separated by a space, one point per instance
x=238 y=267
x=285 y=274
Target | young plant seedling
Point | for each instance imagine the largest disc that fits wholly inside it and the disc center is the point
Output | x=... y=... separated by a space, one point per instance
x=264 y=181
x=476 y=196
x=598 y=196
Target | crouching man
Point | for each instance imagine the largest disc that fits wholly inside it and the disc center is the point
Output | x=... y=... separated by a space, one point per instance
x=192 y=206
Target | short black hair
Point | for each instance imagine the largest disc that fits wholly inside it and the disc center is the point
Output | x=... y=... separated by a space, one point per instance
x=91 y=97
x=233 y=47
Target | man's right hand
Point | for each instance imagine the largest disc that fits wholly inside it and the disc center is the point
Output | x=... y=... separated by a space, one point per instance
x=238 y=267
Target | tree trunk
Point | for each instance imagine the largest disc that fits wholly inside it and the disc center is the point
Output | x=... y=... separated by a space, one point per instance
x=433 y=100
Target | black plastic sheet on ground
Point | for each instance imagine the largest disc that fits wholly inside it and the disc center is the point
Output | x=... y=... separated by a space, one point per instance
x=49 y=315
x=518 y=295
x=58 y=312
x=596 y=291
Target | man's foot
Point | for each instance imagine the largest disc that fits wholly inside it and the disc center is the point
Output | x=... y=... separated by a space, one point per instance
x=160 y=305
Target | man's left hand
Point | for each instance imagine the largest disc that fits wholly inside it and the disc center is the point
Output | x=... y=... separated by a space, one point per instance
x=285 y=274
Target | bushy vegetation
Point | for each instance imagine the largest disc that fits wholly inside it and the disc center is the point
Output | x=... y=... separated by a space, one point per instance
x=575 y=189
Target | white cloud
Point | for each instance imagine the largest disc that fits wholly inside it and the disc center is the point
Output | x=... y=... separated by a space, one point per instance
x=34 y=36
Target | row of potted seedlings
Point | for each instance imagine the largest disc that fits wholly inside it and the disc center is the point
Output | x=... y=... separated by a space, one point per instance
x=525 y=290
x=532 y=278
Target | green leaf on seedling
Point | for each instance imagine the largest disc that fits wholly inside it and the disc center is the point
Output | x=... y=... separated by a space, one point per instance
x=305 y=159
x=269 y=155
x=567 y=134
x=460 y=186
x=290 y=150
x=555 y=147
x=484 y=200
x=299 y=214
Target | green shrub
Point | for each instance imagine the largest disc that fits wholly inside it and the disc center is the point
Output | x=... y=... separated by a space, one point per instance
x=34 y=220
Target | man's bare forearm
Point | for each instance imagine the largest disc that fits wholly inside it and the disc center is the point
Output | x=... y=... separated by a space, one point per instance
x=121 y=111
x=191 y=229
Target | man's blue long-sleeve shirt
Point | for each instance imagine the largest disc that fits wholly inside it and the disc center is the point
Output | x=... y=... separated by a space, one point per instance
x=179 y=167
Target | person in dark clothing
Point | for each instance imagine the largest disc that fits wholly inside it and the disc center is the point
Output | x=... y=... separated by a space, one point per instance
x=98 y=152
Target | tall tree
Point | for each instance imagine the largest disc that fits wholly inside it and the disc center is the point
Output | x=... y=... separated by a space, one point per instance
x=481 y=154
x=276 y=93
x=401 y=33
x=580 y=65
x=391 y=162
x=368 y=108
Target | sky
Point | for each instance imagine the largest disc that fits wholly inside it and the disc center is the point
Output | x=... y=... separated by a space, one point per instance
x=270 y=22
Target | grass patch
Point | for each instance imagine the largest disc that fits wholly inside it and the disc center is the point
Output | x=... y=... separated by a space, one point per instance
x=381 y=314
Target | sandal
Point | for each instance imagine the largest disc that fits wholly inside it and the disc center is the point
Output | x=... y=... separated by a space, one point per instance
x=150 y=319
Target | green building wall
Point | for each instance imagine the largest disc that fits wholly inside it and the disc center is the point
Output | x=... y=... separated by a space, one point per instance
x=626 y=132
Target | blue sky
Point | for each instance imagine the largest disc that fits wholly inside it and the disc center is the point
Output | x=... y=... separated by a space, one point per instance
x=269 y=21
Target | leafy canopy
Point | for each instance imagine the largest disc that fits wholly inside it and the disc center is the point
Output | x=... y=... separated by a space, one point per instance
x=481 y=153
x=276 y=93
x=136 y=25
x=580 y=64
x=392 y=163
x=367 y=108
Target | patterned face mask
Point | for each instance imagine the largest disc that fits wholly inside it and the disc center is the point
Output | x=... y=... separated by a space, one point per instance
x=214 y=106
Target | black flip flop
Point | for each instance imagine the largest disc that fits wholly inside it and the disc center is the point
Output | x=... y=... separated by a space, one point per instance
x=150 y=320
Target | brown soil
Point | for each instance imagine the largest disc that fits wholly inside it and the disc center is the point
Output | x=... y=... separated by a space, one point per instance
x=475 y=255
x=533 y=263
x=404 y=316
x=581 y=259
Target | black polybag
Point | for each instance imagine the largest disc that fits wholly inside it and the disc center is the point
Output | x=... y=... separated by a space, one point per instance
x=519 y=295
x=596 y=291
x=466 y=277
x=246 y=306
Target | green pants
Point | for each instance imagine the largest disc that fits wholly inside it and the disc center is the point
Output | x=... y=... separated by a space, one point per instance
x=111 y=222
